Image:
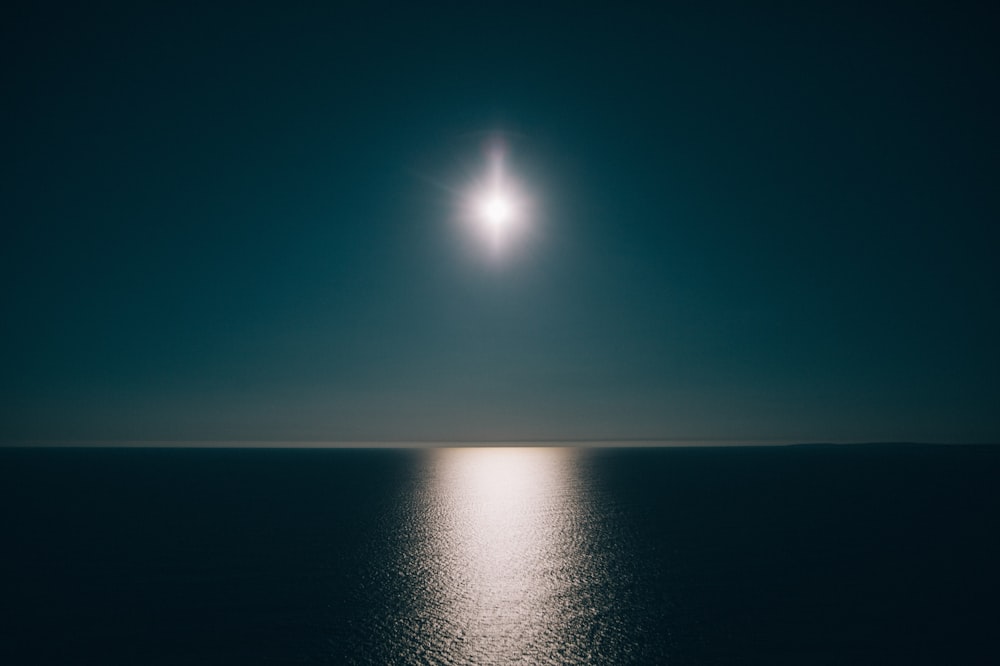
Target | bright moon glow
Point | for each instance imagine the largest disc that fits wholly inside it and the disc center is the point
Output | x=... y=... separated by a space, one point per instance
x=495 y=208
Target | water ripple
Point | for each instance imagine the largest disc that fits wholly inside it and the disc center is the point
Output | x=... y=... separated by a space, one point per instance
x=501 y=556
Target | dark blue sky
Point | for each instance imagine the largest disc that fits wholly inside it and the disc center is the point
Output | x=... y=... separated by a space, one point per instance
x=235 y=222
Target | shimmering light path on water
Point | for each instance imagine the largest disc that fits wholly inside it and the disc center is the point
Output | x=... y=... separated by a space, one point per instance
x=504 y=561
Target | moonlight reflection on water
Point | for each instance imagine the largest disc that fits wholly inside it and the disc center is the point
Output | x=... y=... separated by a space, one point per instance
x=505 y=562
x=506 y=559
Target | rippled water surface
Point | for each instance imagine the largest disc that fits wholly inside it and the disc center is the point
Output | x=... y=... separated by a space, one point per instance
x=504 y=556
x=500 y=556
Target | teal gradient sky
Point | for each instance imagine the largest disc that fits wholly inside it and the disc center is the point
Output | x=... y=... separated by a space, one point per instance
x=239 y=223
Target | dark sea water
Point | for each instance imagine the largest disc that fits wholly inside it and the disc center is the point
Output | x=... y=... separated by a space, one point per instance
x=783 y=555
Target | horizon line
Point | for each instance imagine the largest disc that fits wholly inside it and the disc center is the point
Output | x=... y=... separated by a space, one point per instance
x=624 y=442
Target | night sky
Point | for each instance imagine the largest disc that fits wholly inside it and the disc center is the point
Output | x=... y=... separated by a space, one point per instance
x=239 y=222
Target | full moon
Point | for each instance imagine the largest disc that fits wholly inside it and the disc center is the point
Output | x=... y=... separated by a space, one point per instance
x=496 y=209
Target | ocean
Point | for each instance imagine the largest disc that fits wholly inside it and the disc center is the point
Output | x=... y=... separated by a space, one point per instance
x=862 y=554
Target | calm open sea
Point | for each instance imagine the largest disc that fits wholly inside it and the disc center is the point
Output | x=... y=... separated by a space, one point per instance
x=782 y=555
